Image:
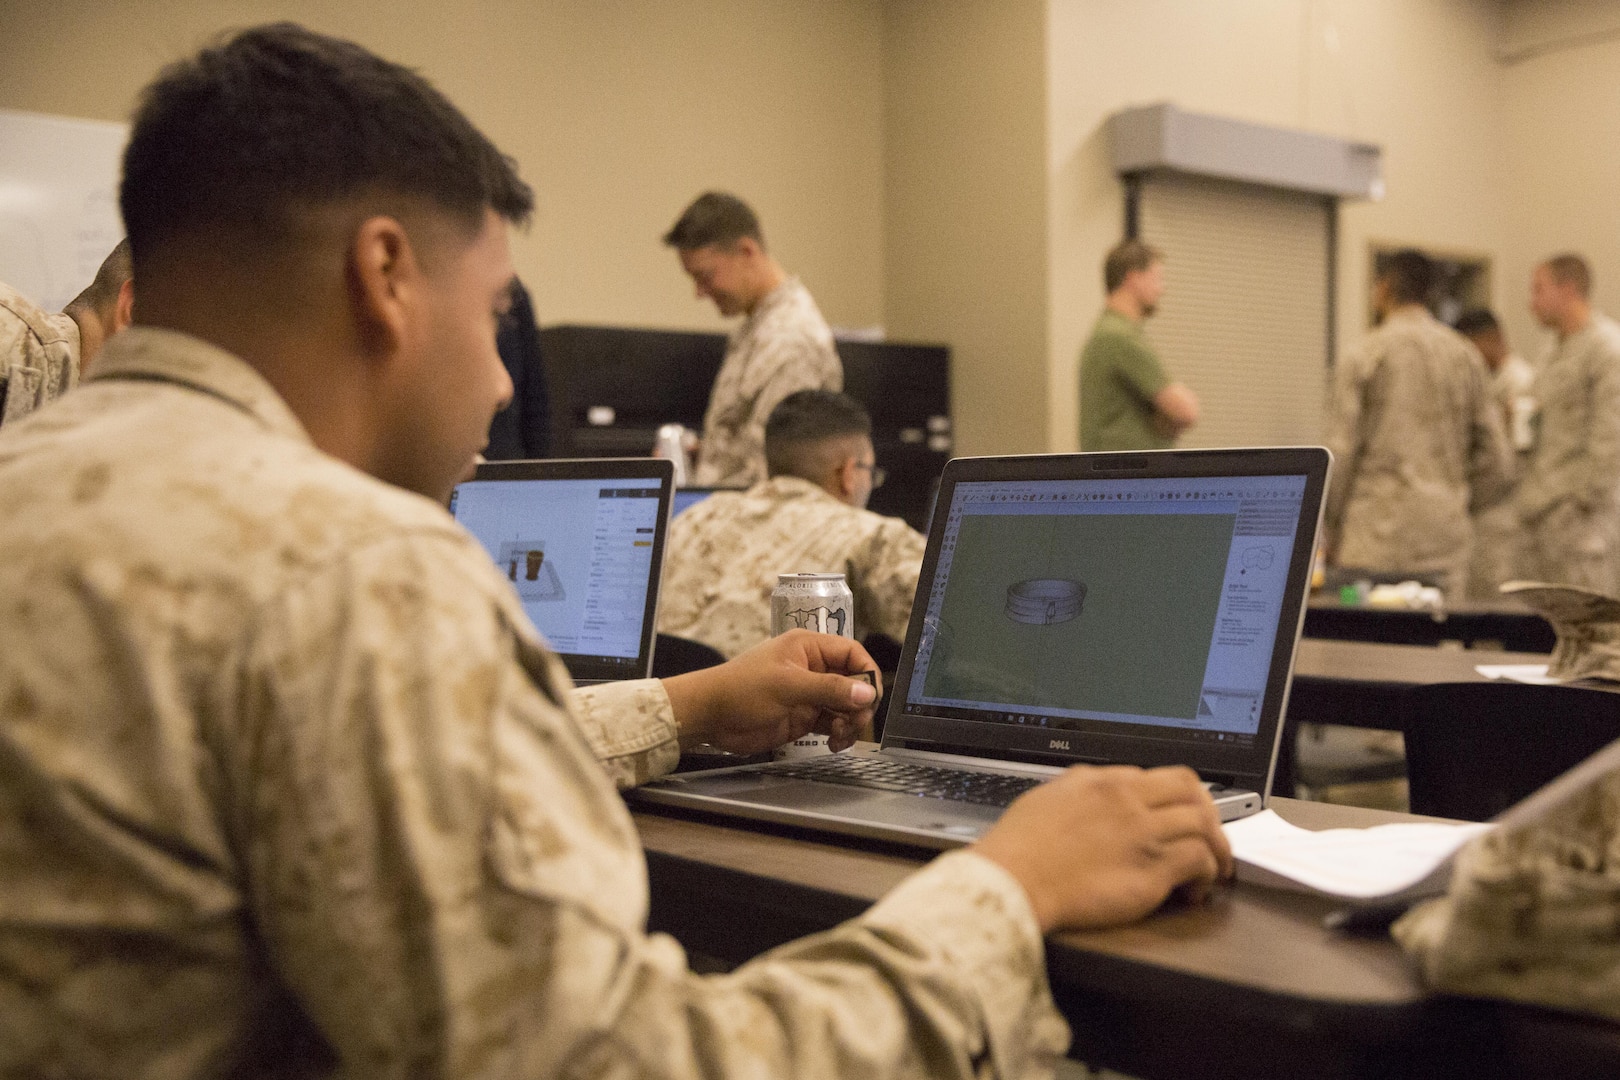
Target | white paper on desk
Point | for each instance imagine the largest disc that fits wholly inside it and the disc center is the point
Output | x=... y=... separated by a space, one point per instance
x=1535 y=674
x=1380 y=864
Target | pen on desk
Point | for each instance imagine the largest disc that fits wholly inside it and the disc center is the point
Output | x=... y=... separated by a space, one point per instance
x=1369 y=919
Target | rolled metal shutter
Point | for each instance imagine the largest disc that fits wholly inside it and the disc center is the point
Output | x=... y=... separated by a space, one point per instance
x=1246 y=312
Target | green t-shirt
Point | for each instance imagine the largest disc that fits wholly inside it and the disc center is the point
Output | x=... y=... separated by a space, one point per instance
x=1119 y=376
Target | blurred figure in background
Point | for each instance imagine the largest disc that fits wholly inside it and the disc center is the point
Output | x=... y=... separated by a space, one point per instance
x=523 y=428
x=1416 y=437
x=1127 y=402
x=1567 y=497
x=1498 y=537
x=783 y=344
x=44 y=356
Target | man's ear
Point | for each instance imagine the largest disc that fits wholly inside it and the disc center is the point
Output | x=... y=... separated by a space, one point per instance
x=124 y=307
x=846 y=478
x=383 y=274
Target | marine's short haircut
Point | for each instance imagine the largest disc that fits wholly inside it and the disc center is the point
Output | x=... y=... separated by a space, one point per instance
x=714 y=217
x=1572 y=270
x=101 y=295
x=1127 y=257
x=1476 y=321
x=277 y=119
x=801 y=427
x=1411 y=276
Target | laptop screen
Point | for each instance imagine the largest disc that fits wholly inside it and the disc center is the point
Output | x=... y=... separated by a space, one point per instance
x=582 y=552
x=1122 y=608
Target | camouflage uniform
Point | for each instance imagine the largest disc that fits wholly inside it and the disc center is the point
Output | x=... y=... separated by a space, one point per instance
x=725 y=554
x=39 y=355
x=1416 y=437
x=1567 y=496
x=1530 y=914
x=290 y=787
x=1498 y=535
x=782 y=347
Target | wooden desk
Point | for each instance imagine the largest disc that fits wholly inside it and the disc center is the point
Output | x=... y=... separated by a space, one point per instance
x=1250 y=986
x=1507 y=622
x=1359 y=682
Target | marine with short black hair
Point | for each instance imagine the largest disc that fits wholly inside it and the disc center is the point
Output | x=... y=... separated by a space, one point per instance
x=782 y=345
x=289 y=784
x=810 y=516
x=1416 y=437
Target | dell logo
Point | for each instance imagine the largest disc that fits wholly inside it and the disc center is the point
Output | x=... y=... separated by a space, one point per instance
x=1059 y=744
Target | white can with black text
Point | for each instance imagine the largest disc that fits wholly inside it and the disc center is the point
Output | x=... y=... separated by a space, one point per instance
x=819 y=602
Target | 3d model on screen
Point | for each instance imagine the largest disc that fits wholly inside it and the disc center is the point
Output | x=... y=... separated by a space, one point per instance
x=820 y=619
x=530 y=573
x=1045 y=601
x=1259 y=557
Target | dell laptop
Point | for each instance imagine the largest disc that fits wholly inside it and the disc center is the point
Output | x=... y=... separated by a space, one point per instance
x=1117 y=608
x=582 y=542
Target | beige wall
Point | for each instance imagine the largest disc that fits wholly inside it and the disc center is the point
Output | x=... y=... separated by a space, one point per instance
x=964 y=226
x=618 y=113
x=1417 y=77
x=1562 y=59
x=938 y=166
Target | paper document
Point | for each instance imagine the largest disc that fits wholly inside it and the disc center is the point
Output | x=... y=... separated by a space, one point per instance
x=1525 y=673
x=1380 y=864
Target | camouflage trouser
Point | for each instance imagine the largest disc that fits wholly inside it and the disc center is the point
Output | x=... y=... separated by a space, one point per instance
x=1573 y=545
x=1498 y=550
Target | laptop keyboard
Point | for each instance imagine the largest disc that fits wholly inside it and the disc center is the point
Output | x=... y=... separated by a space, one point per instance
x=883 y=774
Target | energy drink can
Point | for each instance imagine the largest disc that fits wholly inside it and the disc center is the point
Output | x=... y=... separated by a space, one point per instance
x=819 y=602
x=672 y=443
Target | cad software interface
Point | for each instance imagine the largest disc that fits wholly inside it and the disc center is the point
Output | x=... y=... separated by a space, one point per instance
x=1121 y=606
x=578 y=552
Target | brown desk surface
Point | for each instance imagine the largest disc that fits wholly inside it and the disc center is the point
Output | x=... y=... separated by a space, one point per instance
x=1360 y=683
x=1398 y=666
x=1250 y=985
x=1506 y=621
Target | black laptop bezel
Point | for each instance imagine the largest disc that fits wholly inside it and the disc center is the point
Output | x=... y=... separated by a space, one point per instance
x=583 y=668
x=1247 y=767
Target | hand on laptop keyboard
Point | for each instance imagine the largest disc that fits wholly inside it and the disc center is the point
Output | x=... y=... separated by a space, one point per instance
x=1099 y=846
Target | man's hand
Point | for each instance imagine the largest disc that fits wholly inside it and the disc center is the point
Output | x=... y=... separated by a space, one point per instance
x=777 y=691
x=1100 y=846
x=1175 y=409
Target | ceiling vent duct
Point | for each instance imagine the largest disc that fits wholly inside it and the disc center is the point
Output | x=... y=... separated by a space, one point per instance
x=1163 y=138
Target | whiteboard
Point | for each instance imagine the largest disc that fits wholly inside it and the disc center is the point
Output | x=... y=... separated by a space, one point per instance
x=58 y=202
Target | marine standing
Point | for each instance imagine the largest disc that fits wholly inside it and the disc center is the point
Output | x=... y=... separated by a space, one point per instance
x=1127 y=401
x=1567 y=498
x=1416 y=437
x=783 y=344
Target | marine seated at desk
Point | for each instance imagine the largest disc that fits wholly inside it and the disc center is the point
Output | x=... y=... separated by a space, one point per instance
x=810 y=516
x=291 y=786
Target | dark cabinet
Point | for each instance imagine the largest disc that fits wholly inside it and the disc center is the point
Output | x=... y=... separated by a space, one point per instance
x=611 y=388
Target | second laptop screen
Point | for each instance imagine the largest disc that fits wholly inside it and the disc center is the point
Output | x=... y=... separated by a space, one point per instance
x=1096 y=604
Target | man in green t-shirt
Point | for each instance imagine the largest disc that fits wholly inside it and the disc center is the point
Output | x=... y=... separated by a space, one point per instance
x=1127 y=402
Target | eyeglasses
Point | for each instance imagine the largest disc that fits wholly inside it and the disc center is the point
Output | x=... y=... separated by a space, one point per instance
x=879 y=474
